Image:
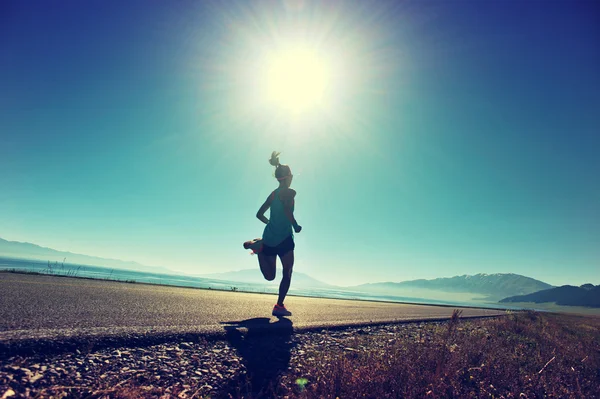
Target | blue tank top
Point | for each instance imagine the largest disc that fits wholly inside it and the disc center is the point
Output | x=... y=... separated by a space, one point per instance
x=279 y=227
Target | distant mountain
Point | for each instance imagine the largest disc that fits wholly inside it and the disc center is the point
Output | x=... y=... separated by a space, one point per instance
x=490 y=286
x=566 y=295
x=255 y=276
x=25 y=250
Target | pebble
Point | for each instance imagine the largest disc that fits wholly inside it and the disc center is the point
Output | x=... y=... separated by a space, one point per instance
x=8 y=393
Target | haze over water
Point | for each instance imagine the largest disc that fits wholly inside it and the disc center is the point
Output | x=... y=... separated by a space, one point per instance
x=131 y=276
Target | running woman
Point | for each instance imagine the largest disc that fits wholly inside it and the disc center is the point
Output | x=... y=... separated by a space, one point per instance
x=278 y=238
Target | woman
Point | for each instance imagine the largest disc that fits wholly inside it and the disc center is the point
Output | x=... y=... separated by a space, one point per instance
x=278 y=238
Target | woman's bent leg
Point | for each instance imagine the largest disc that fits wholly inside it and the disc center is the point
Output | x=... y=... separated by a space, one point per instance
x=268 y=265
x=287 y=262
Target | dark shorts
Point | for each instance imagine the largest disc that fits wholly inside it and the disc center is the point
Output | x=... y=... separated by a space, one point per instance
x=283 y=248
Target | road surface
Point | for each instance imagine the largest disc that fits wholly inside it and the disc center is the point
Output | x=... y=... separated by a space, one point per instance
x=43 y=307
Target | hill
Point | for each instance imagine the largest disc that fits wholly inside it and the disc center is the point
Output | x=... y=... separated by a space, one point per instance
x=25 y=250
x=567 y=295
x=487 y=286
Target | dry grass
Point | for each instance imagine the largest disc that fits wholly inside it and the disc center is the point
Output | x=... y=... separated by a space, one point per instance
x=527 y=355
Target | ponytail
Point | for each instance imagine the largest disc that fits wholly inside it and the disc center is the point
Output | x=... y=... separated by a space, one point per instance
x=275 y=159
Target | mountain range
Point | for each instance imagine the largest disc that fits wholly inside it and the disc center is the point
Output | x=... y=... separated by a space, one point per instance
x=489 y=287
x=566 y=295
x=479 y=288
x=25 y=250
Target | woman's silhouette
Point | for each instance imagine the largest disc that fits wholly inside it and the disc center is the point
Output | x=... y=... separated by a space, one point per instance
x=278 y=238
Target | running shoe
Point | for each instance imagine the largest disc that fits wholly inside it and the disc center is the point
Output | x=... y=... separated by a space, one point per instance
x=280 y=310
x=255 y=245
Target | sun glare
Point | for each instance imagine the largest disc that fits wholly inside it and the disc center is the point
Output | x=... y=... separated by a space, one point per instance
x=296 y=74
x=297 y=79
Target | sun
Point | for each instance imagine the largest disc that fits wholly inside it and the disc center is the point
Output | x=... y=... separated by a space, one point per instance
x=297 y=79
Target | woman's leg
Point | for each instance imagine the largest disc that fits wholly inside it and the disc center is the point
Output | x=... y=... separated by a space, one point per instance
x=287 y=262
x=268 y=265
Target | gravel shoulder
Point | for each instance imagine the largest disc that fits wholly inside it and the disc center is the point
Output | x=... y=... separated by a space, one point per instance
x=248 y=354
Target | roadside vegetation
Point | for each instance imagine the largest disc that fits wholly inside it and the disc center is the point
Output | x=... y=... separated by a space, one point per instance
x=59 y=270
x=52 y=269
x=522 y=355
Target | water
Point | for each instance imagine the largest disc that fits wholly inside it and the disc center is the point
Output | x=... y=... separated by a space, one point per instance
x=99 y=272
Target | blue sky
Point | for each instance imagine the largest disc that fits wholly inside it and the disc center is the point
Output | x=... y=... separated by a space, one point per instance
x=462 y=137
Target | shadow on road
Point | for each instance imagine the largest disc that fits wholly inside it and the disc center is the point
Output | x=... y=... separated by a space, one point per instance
x=265 y=351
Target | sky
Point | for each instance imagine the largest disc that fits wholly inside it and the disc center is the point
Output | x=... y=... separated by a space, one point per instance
x=447 y=137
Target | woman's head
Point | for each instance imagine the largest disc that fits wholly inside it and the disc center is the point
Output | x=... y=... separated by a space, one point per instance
x=283 y=173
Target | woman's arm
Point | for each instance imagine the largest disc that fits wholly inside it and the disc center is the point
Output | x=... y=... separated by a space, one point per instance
x=261 y=212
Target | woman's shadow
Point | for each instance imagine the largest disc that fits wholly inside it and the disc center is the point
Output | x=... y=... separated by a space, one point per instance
x=265 y=351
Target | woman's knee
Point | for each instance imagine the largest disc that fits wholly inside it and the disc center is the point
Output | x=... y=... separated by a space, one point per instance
x=269 y=276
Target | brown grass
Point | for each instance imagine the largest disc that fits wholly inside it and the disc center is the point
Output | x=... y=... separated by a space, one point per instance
x=528 y=355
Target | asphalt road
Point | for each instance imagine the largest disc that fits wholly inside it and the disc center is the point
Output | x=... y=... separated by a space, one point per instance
x=35 y=306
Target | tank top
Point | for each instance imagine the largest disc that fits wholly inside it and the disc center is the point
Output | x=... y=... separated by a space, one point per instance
x=279 y=227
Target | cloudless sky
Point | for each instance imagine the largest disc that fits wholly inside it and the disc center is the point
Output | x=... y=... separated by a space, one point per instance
x=464 y=137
